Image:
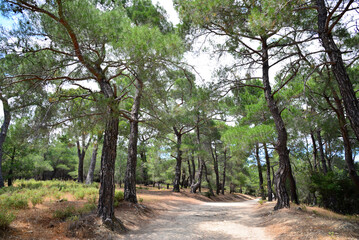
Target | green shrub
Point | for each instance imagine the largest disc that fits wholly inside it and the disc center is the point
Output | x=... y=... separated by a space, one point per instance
x=17 y=202
x=37 y=199
x=119 y=196
x=63 y=214
x=80 y=194
x=87 y=208
x=6 y=218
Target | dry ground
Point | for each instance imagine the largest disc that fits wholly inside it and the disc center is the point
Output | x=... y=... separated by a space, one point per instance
x=168 y=207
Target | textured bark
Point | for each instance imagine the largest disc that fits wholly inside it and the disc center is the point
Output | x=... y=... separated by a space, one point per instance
x=210 y=189
x=81 y=152
x=91 y=171
x=269 y=184
x=281 y=145
x=321 y=151
x=107 y=174
x=224 y=170
x=193 y=167
x=260 y=174
x=215 y=166
x=4 y=128
x=347 y=92
x=315 y=154
x=130 y=175
x=177 y=179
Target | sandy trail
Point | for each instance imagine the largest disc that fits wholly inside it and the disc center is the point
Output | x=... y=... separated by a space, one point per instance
x=215 y=220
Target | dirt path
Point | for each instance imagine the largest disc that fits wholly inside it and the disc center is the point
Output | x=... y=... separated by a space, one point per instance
x=211 y=220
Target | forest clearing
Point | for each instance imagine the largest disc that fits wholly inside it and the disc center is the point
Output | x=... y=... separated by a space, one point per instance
x=67 y=210
x=165 y=117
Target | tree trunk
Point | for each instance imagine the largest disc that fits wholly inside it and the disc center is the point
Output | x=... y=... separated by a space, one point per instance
x=269 y=184
x=281 y=145
x=107 y=175
x=224 y=169
x=259 y=166
x=197 y=185
x=144 y=166
x=130 y=175
x=321 y=151
x=215 y=166
x=177 y=180
x=81 y=156
x=11 y=170
x=347 y=92
x=346 y=137
x=210 y=189
x=315 y=154
x=193 y=167
x=4 y=127
x=189 y=172
x=91 y=171
x=293 y=186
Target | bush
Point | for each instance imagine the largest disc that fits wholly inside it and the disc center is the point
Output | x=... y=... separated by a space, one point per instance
x=6 y=219
x=119 y=196
x=336 y=191
x=37 y=199
x=63 y=214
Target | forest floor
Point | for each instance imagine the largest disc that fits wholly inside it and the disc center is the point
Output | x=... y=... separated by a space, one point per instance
x=163 y=214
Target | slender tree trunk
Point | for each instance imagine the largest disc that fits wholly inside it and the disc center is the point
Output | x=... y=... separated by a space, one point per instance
x=215 y=166
x=177 y=180
x=91 y=171
x=259 y=166
x=293 y=186
x=144 y=166
x=130 y=175
x=315 y=154
x=269 y=184
x=11 y=170
x=183 y=178
x=193 y=167
x=224 y=170
x=346 y=137
x=4 y=127
x=210 y=189
x=321 y=151
x=81 y=156
x=197 y=185
x=347 y=92
x=281 y=145
x=189 y=172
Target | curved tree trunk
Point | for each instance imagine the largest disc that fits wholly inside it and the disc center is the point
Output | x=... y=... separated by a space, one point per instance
x=347 y=92
x=4 y=128
x=269 y=184
x=130 y=175
x=281 y=145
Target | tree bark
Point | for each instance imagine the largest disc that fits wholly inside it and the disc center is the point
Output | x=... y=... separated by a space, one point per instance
x=81 y=155
x=4 y=128
x=130 y=175
x=321 y=151
x=210 y=189
x=346 y=137
x=269 y=184
x=315 y=154
x=11 y=170
x=177 y=179
x=347 y=92
x=259 y=167
x=144 y=165
x=215 y=166
x=107 y=175
x=91 y=171
x=293 y=186
x=193 y=167
x=189 y=172
x=224 y=169
x=197 y=185
x=281 y=145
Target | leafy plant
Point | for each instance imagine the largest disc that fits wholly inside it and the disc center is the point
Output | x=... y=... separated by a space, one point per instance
x=6 y=218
